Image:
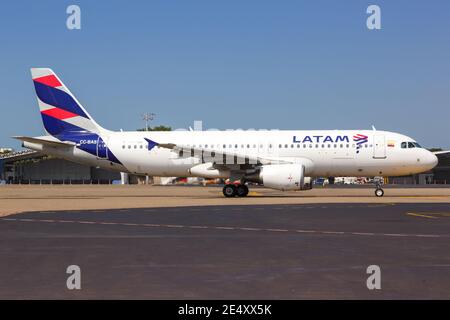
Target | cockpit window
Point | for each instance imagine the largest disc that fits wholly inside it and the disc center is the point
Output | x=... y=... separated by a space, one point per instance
x=410 y=145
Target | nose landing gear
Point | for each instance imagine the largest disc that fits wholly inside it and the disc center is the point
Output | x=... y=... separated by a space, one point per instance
x=379 y=192
x=232 y=190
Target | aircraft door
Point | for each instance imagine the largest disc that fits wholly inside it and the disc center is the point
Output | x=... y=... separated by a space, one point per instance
x=102 y=149
x=379 y=146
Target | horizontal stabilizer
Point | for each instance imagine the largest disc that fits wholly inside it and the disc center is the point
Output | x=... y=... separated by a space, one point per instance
x=43 y=141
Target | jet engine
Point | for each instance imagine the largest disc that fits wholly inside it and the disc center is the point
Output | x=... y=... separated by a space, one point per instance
x=283 y=177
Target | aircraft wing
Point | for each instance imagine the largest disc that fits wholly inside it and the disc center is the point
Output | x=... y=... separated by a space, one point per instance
x=441 y=153
x=208 y=155
x=45 y=141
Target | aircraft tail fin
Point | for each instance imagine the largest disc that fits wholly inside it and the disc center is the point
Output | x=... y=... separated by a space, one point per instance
x=60 y=110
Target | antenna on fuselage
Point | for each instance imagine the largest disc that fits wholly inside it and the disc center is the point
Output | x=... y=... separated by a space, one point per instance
x=373 y=128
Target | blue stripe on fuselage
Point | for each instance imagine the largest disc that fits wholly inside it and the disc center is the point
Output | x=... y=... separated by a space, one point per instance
x=85 y=140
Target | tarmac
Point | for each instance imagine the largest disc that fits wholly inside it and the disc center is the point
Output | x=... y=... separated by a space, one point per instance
x=26 y=198
x=308 y=245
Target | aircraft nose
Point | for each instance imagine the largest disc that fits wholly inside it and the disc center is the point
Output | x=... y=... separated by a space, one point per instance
x=435 y=160
x=431 y=160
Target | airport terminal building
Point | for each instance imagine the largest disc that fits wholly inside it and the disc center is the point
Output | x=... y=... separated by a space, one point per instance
x=31 y=167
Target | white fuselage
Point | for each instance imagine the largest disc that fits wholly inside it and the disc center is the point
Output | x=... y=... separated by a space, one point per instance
x=327 y=152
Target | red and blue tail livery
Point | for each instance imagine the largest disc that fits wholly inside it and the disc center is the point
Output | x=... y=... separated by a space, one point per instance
x=60 y=110
x=65 y=118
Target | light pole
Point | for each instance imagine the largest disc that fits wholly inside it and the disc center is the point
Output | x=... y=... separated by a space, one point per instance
x=148 y=116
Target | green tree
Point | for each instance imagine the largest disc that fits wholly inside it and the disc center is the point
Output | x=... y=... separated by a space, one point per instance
x=157 y=128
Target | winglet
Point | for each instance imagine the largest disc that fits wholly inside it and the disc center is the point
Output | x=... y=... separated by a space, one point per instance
x=151 y=144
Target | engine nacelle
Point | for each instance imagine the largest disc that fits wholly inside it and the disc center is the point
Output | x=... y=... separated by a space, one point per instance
x=285 y=177
x=206 y=170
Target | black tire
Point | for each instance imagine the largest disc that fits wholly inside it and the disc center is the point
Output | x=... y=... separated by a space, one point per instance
x=379 y=192
x=242 y=190
x=229 y=190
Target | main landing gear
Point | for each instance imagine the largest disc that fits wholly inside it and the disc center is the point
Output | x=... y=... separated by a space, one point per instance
x=379 y=192
x=233 y=190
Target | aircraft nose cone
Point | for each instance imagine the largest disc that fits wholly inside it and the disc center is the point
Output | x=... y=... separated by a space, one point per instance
x=434 y=160
x=431 y=160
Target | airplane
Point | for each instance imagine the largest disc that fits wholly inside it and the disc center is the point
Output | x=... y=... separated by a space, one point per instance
x=278 y=159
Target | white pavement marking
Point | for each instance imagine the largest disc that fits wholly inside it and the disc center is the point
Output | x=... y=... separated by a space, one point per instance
x=252 y=229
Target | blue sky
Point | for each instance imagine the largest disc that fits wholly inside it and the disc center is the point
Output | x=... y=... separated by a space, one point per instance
x=234 y=64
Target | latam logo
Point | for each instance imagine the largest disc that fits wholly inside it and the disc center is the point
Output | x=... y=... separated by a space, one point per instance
x=360 y=139
x=320 y=139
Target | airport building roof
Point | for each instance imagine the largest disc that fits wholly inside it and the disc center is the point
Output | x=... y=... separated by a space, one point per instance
x=19 y=155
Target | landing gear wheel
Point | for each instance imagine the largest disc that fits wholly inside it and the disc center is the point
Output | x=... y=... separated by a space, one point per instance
x=379 y=192
x=229 y=190
x=242 y=190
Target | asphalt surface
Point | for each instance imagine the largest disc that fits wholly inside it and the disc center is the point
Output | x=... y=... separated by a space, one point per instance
x=229 y=252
